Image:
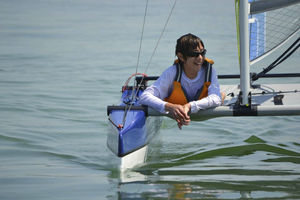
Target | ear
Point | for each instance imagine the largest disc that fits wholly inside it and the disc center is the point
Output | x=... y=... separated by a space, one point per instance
x=180 y=57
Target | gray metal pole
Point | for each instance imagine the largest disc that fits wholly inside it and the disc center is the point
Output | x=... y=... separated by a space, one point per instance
x=244 y=51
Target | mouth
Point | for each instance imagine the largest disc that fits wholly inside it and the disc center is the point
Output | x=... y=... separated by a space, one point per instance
x=197 y=63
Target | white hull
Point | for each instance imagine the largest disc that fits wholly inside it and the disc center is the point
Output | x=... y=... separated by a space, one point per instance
x=133 y=159
x=138 y=156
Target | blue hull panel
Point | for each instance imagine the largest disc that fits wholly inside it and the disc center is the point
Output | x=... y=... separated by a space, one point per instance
x=134 y=135
x=137 y=130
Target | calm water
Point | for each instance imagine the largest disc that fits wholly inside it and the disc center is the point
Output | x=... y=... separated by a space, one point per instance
x=62 y=62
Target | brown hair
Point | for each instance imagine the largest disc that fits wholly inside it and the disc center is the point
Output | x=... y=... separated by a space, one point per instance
x=187 y=43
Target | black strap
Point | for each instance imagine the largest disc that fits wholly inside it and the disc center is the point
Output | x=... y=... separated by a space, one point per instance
x=279 y=60
x=206 y=65
x=178 y=73
x=208 y=72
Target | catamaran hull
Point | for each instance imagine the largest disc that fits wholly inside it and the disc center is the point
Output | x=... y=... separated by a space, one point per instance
x=132 y=160
x=130 y=143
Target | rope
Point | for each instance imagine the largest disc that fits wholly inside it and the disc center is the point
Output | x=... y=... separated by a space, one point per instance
x=279 y=60
x=138 y=60
x=141 y=40
x=153 y=53
x=157 y=43
x=165 y=26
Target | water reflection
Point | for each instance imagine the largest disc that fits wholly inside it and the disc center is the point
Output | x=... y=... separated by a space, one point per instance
x=180 y=191
x=177 y=191
x=251 y=170
x=135 y=185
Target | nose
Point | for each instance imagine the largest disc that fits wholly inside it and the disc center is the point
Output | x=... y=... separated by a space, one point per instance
x=199 y=56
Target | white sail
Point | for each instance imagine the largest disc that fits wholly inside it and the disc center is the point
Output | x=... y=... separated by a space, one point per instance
x=271 y=23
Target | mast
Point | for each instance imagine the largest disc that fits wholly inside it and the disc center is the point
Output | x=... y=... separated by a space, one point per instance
x=244 y=51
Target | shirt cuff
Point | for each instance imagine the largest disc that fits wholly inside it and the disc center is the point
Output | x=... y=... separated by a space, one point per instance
x=193 y=107
x=162 y=109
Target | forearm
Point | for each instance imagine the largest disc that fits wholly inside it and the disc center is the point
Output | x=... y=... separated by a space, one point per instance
x=153 y=101
x=212 y=100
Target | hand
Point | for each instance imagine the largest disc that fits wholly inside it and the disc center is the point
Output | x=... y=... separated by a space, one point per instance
x=187 y=108
x=179 y=113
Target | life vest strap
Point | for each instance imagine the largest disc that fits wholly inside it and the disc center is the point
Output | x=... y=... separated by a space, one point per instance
x=178 y=73
x=206 y=64
x=179 y=94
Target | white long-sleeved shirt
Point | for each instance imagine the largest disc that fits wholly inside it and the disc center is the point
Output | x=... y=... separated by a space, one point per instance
x=155 y=94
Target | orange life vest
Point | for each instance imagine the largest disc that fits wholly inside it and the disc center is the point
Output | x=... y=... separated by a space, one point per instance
x=178 y=95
